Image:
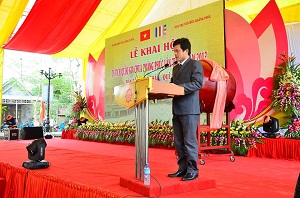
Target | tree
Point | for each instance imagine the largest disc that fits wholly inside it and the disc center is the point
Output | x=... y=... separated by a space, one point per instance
x=26 y=68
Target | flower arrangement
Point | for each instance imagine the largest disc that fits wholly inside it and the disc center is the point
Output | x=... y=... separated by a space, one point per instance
x=286 y=92
x=244 y=136
x=79 y=105
x=218 y=137
x=72 y=125
x=287 y=96
x=75 y=123
x=102 y=131
x=293 y=131
x=160 y=134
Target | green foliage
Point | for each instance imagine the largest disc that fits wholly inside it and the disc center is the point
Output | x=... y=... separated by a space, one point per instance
x=26 y=68
x=161 y=134
x=286 y=88
x=79 y=105
x=4 y=108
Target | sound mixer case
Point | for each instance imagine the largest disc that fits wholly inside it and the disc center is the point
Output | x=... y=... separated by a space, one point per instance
x=11 y=134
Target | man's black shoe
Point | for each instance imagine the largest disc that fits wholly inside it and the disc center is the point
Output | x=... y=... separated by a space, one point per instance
x=179 y=173
x=190 y=176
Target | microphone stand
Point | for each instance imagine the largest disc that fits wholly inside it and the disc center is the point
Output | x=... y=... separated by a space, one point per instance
x=166 y=66
x=160 y=72
x=163 y=67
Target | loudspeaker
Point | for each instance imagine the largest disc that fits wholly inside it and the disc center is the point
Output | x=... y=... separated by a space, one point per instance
x=29 y=133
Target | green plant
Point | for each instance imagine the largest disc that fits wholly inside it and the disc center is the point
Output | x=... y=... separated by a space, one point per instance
x=293 y=131
x=286 y=92
x=79 y=105
x=160 y=134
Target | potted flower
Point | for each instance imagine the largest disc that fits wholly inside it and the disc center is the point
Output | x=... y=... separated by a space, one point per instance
x=293 y=131
x=243 y=137
x=79 y=105
x=286 y=92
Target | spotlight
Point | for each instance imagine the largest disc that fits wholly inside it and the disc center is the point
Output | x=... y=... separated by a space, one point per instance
x=271 y=126
x=36 y=155
x=10 y=120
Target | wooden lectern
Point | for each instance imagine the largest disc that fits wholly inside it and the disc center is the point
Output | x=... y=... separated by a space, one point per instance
x=137 y=94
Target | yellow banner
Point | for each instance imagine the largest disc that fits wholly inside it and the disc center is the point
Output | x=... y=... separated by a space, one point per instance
x=143 y=51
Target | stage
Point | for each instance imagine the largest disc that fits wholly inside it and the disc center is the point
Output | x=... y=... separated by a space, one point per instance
x=278 y=148
x=91 y=169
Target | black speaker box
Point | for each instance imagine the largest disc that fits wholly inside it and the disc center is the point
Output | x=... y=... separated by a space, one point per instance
x=29 y=133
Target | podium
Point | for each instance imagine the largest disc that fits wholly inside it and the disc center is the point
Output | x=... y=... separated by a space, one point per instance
x=137 y=94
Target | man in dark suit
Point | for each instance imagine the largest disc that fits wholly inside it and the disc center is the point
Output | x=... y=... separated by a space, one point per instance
x=188 y=73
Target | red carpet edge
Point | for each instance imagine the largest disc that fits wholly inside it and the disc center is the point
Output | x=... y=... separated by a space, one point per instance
x=168 y=187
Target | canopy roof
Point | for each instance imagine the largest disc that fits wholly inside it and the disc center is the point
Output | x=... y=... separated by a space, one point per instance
x=76 y=28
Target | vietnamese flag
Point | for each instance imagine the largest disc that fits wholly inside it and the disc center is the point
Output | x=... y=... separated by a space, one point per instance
x=145 y=35
x=42 y=112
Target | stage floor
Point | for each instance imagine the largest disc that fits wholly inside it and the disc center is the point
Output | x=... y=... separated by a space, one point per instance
x=102 y=165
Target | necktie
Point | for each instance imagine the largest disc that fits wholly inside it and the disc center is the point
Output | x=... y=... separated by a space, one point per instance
x=179 y=66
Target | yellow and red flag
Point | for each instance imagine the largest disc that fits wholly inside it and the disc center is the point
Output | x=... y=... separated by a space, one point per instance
x=42 y=112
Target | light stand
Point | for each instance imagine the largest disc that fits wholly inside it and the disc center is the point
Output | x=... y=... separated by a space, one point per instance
x=49 y=75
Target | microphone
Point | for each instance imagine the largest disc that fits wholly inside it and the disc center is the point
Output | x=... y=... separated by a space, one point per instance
x=163 y=67
x=166 y=66
x=175 y=63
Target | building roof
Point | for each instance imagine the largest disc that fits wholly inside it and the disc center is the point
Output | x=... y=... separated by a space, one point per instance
x=15 y=92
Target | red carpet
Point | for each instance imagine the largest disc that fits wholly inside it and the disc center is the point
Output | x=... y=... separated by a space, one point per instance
x=167 y=186
x=95 y=169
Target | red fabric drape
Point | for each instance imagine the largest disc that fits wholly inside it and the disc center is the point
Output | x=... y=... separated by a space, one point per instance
x=68 y=134
x=277 y=148
x=24 y=183
x=52 y=25
x=14 y=180
x=51 y=186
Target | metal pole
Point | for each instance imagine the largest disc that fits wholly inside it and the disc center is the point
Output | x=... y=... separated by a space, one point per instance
x=141 y=138
x=47 y=124
x=49 y=76
x=17 y=121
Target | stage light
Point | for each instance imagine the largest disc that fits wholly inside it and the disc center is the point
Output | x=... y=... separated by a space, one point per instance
x=10 y=120
x=271 y=126
x=36 y=155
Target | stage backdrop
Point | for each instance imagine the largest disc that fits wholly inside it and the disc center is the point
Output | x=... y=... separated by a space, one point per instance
x=136 y=53
x=252 y=53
